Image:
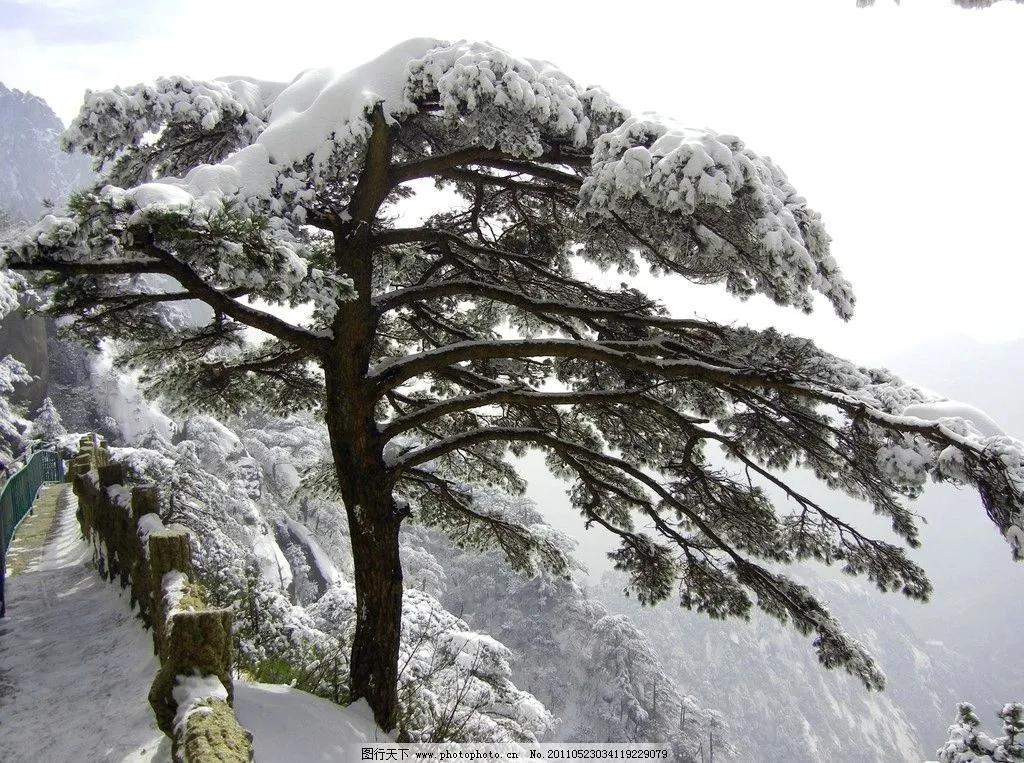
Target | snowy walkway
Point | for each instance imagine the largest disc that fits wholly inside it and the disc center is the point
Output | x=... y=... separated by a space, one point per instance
x=75 y=663
x=35 y=530
x=76 y=666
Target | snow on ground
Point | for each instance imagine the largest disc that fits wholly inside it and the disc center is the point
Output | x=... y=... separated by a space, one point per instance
x=76 y=666
x=325 y=567
x=75 y=662
x=291 y=725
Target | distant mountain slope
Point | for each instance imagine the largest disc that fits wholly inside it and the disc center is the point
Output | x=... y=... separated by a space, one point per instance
x=786 y=706
x=976 y=610
x=32 y=166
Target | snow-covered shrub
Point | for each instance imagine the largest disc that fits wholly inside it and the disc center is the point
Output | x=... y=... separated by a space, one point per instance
x=263 y=552
x=12 y=421
x=47 y=425
x=967 y=742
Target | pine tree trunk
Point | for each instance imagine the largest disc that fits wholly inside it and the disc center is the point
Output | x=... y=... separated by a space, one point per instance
x=373 y=518
x=378 y=582
x=374 y=522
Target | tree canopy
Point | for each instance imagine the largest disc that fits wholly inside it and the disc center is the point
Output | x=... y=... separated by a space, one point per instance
x=399 y=247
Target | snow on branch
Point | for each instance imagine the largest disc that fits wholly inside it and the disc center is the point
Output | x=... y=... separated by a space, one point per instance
x=722 y=212
x=967 y=742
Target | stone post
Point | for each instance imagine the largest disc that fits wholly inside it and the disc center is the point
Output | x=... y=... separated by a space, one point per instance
x=169 y=550
x=145 y=500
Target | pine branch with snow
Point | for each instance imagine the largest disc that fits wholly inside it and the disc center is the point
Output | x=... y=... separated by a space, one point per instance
x=967 y=742
x=253 y=255
x=13 y=425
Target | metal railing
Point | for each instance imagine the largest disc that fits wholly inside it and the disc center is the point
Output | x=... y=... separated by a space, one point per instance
x=17 y=497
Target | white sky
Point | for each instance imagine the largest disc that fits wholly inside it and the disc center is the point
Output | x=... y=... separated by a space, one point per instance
x=900 y=124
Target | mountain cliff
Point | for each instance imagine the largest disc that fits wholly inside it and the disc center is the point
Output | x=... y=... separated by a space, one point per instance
x=33 y=168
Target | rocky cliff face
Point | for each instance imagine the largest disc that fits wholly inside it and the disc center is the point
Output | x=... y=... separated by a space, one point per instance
x=33 y=173
x=33 y=169
x=785 y=706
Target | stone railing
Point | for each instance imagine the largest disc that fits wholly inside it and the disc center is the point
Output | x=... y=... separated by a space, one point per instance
x=192 y=693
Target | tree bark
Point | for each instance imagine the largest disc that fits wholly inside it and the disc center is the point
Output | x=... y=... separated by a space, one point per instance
x=374 y=522
x=357 y=447
x=378 y=579
x=374 y=519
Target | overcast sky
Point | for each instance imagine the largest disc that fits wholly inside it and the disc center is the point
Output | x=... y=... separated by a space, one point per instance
x=901 y=124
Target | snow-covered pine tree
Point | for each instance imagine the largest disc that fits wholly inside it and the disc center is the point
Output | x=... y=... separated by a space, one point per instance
x=434 y=348
x=12 y=422
x=967 y=742
x=47 y=425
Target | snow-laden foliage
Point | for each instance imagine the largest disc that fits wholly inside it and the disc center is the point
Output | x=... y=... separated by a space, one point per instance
x=454 y=683
x=115 y=125
x=235 y=150
x=223 y=484
x=720 y=209
x=967 y=742
x=12 y=422
x=432 y=351
x=10 y=282
x=47 y=425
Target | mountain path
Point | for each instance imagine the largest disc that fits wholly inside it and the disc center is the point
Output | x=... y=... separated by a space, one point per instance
x=75 y=661
x=35 y=530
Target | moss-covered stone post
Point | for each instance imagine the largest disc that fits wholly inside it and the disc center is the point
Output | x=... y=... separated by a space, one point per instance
x=197 y=643
x=145 y=500
x=215 y=735
x=85 y=490
x=169 y=550
x=113 y=522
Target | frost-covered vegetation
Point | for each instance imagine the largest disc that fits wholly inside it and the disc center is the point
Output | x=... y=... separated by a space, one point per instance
x=278 y=556
x=13 y=425
x=245 y=251
x=967 y=742
x=294 y=603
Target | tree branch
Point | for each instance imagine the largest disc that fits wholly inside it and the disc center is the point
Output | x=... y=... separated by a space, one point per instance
x=393 y=373
x=113 y=267
x=468 y=287
x=541 y=438
x=524 y=397
x=221 y=302
x=440 y=163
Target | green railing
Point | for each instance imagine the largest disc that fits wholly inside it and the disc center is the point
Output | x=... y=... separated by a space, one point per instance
x=16 y=501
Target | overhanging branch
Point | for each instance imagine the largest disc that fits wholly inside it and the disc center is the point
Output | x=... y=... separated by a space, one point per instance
x=221 y=302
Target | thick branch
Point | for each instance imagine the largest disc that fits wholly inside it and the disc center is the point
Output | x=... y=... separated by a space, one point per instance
x=221 y=302
x=472 y=288
x=479 y=155
x=524 y=397
x=630 y=355
x=395 y=372
x=113 y=267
